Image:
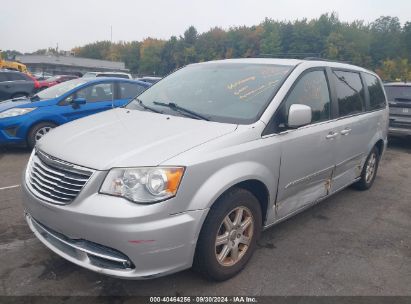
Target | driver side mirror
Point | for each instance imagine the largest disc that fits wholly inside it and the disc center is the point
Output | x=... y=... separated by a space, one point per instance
x=76 y=102
x=299 y=115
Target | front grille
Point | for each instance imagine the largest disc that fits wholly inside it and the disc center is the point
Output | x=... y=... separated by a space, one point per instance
x=54 y=180
x=402 y=125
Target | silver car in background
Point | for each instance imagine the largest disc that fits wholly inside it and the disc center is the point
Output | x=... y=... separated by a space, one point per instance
x=191 y=171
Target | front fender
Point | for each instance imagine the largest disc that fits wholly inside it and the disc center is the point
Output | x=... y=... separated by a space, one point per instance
x=226 y=177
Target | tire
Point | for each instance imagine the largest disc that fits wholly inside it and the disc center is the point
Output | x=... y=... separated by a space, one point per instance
x=368 y=173
x=229 y=206
x=38 y=131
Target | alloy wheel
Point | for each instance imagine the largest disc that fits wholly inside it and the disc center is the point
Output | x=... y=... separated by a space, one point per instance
x=41 y=132
x=370 y=169
x=234 y=236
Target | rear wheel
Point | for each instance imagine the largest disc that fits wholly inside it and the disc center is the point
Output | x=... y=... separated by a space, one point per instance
x=369 y=171
x=229 y=235
x=38 y=131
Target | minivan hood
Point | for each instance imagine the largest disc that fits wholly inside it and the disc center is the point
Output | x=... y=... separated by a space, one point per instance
x=128 y=138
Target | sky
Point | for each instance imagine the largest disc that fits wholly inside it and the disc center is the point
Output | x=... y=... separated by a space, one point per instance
x=28 y=25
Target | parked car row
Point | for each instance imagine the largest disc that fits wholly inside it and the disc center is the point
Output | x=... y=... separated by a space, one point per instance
x=14 y=84
x=191 y=171
x=24 y=120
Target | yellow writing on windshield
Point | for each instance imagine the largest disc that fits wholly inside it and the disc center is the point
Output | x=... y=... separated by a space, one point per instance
x=232 y=86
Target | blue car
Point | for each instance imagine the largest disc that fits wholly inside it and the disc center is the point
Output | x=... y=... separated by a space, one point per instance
x=23 y=121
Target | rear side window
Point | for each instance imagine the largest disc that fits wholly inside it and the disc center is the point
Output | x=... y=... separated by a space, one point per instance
x=97 y=92
x=311 y=90
x=130 y=90
x=377 y=97
x=350 y=92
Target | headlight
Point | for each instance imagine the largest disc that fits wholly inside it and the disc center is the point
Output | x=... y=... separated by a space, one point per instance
x=143 y=185
x=15 y=112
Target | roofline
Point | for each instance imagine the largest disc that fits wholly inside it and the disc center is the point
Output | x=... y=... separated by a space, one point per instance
x=293 y=62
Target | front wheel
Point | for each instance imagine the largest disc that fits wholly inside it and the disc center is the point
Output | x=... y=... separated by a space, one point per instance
x=38 y=131
x=369 y=171
x=229 y=235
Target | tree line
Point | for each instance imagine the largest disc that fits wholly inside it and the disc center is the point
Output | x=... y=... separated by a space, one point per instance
x=383 y=45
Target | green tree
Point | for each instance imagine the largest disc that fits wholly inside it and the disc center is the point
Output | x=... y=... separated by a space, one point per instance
x=150 y=56
x=385 y=38
x=381 y=45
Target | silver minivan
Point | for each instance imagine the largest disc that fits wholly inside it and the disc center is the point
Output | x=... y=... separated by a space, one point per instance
x=192 y=170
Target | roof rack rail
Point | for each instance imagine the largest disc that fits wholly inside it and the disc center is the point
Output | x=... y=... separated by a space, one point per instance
x=325 y=59
x=286 y=55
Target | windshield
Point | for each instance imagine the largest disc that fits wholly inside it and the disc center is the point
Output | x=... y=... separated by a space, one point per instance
x=224 y=92
x=398 y=92
x=60 y=89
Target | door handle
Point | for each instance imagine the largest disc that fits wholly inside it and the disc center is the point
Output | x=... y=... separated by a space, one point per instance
x=331 y=135
x=345 y=131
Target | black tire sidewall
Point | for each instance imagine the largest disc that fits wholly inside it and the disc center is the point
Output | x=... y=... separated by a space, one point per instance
x=31 y=141
x=205 y=260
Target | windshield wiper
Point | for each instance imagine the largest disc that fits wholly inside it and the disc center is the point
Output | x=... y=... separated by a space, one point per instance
x=141 y=103
x=19 y=98
x=35 y=98
x=180 y=109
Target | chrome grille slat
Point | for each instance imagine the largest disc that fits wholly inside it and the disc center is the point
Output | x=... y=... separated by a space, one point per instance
x=50 y=188
x=42 y=178
x=55 y=181
x=48 y=168
x=54 y=178
x=45 y=192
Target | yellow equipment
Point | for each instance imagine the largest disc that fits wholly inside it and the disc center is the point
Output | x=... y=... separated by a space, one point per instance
x=13 y=65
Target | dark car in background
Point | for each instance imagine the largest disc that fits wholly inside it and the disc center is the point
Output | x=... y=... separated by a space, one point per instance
x=14 y=84
x=399 y=98
x=24 y=121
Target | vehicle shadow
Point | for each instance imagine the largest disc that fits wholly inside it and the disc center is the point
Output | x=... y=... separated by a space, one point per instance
x=400 y=143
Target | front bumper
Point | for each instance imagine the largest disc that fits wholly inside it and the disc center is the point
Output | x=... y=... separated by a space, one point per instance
x=12 y=132
x=399 y=131
x=120 y=238
x=400 y=125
